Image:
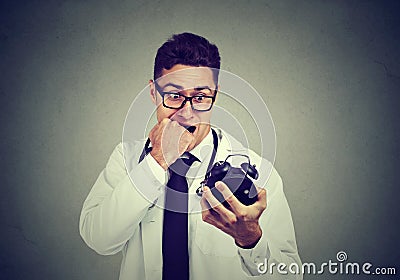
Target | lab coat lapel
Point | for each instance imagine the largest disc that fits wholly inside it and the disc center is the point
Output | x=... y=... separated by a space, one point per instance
x=151 y=237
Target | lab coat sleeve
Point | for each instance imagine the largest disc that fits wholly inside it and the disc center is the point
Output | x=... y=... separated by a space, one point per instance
x=278 y=242
x=114 y=207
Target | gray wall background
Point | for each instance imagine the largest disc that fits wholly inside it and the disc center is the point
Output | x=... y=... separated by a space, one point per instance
x=329 y=72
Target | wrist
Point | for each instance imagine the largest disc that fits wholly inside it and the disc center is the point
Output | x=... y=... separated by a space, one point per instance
x=249 y=241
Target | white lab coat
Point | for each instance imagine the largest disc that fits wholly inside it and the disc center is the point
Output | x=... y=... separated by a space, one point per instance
x=119 y=217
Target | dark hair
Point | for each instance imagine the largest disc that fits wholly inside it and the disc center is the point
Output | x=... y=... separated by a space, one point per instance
x=187 y=49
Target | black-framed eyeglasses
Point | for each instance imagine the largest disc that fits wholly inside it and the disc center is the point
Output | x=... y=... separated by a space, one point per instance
x=202 y=101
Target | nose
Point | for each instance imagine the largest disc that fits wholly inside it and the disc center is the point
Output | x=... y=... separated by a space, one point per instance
x=187 y=111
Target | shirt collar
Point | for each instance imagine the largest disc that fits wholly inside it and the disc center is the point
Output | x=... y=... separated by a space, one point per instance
x=204 y=148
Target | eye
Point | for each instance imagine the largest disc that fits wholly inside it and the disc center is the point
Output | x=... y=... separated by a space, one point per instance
x=172 y=95
x=199 y=98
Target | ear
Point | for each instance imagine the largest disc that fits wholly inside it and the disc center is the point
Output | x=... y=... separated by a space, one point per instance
x=153 y=92
x=218 y=89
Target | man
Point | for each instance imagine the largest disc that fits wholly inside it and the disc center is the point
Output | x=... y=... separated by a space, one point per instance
x=193 y=237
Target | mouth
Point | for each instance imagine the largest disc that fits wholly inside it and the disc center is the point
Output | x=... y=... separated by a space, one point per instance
x=190 y=128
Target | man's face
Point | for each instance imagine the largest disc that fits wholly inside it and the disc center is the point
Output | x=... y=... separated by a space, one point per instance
x=188 y=81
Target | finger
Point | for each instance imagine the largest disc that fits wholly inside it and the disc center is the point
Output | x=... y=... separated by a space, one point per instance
x=184 y=140
x=204 y=204
x=261 y=202
x=175 y=124
x=211 y=217
x=178 y=130
x=227 y=216
x=187 y=134
x=211 y=199
x=181 y=128
x=153 y=134
x=164 y=125
x=165 y=121
x=206 y=211
x=236 y=206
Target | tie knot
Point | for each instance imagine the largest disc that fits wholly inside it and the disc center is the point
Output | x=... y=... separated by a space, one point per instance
x=182 y=164
x=188 y=158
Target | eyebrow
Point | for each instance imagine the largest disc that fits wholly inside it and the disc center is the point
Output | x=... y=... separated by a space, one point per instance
x=173 y=85
x=181 y=87
x=202 y=87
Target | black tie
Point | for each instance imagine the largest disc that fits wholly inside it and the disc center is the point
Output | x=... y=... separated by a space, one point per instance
x=175 y=226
